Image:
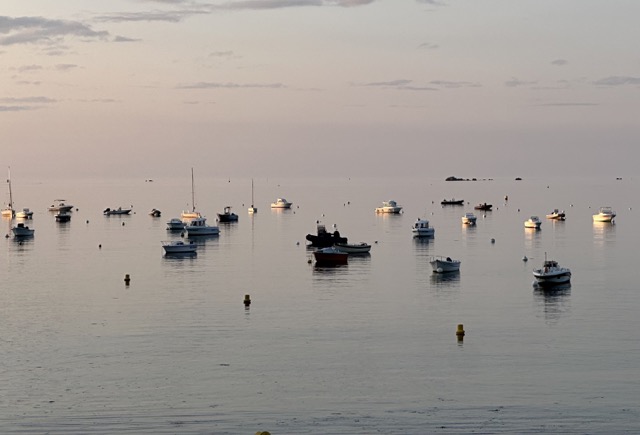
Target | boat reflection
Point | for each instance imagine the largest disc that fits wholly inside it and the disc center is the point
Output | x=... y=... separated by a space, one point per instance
x=554 y=300
x=179 y=255
x=448 y=279
x=604 y=232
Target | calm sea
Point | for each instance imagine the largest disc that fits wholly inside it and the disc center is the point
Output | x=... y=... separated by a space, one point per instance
x=360 y=349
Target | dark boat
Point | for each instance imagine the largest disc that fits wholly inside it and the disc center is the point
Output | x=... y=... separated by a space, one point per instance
x=63 y=216
x=485 y=206
x=330 y=256
x=227 y=215
x=452 y=201
x=324 y=239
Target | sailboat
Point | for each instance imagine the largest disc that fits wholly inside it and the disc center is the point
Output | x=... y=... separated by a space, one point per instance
x=252 y=209
x=9 y=212
x=193 y=214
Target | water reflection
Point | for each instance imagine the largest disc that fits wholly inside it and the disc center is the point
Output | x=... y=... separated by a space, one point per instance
x=448 y=279
x=532 y=237
x=554 y=301
x=604 y=232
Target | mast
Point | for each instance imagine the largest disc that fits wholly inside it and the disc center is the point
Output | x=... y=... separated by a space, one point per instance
x=193 y=196
x=252 y=193
x=10 y=194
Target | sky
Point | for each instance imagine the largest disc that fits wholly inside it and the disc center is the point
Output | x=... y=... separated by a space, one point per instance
x=336 y=88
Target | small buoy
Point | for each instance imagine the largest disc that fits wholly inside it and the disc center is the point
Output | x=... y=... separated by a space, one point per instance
x=297 y=243
x=127 y=279
x=375 y=242
x=460 y=332
x=484 y=215
x=6 y=236
x=493 y=240
x=247 y=300
x=123 y=224
x=87 y=220
x=525 y=258
x=309 y=261
x=100 y=246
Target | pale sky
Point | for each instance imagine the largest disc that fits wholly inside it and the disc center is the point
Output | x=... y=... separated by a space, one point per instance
x=257 y=88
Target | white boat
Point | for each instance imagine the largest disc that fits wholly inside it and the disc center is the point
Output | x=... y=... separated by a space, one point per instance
x=25 y=213
x=8 y=211
x=252 y=209
x=199 y=227
x=179 y=247
x=469 y=219
x=353 y=248
x=175 y=224
x=533 y=222
x=551 y=274
x=605 y=214
x=59 y=205
x=421 y=228
x=556 y=215
x=191 y=214
x=116 y=211
x=389 y=207
x=21 y=230
x=281 y=203
x=441 y=264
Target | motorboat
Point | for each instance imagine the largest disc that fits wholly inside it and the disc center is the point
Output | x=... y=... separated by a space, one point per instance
x=8 y=211
x=483 y=206
x=116 y=211
x=175 y=224
x=330 y=256
x=199 y=227
x=25 y=213
x=452 y=201
x=281 y=203
x=191 y=214
x=533 y=222
x=252 y=209
x=63 y=216
x=441 y=264
x=556 y=215
x=324 y=238
x=605 y=214
x=551 y=273
x=155 y=212
x=353 y=248
x=227 y=215
x=469 y=219
x=389 y=207
x=60 y=205
x=179 y=247
x=21 y=230
x=421 y=228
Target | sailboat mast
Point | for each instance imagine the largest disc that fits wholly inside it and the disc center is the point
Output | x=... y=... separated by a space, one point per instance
x=10 y=194
x=252 y=193
x=193 y=195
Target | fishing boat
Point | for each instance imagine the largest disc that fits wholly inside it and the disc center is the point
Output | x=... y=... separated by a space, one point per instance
x=25 y=213
x=330 y=256
x=551 y=273
x=175 y=224
x=21 y=230
x=421 y=228
x=155 y=212
x=483 y=206
x=227 y=215
x=324 y=238
x=179 y=247
x=191 y=214
x=452 y=201
x=199 y=227
x=605 y=214
x=252 y=209
x=116 y=211
x=63 y=216
x=441 y=264
x=389 y=207
x=281 y=203
x=533 y=222
x=469 y=219
x=556 y=215
x=353 y=248
x=59 y=205
x=8 y=211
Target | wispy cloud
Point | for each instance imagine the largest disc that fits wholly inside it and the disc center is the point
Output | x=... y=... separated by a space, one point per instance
x=408 y=85
x=568 y=104
x=428 y=46
x=65 y=67
x=39 y=30
x=27 y=68
x=432 y=2
x=125 y=39
x=16 y=108
x=514 y=83
x=229 y=85
x=559 y=62
x=27 y=100
x=454 y=84
x=618 y=81
x=162 y=16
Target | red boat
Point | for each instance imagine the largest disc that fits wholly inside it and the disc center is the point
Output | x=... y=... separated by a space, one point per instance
x=330 y=256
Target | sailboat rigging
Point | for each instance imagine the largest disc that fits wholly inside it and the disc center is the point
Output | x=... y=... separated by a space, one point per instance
x=193 y=214
x=9 y=211
x=252 y=209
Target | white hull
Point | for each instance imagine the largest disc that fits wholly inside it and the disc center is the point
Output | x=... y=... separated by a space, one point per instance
x=25 y=213
x=444 y=265
x=8 y=213
x=552 y=279
x=353 y=248
x=252 y=210
x=605 y=215
x=281 y=203
x=533 y=222
x=551 y=274
x=394 y=210
x=423 y=232
x=179 y=247
x=190 y=215
x=469 y=220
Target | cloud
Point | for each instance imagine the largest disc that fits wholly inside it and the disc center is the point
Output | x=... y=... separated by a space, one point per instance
x=407 y=85
x=618 y=81
x=221 y=54
x=428 y=46
x=392 y=83
x=16 y=108
x=39 y=30
x=28 y=100
x=27 y=68
x=452 y=84
x=559 y=62
x=228 y=85
x=568 y=104
x=162 y=16
x=125 y=39
x=432 y=2
x=514 y=83
x=65 y=66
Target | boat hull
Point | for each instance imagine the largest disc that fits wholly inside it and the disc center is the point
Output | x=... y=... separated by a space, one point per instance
x=445 y=266
x=22 y=231
x=543 y=279
x=357 y=248
x=423 y=232
x=227 y=217
x=179 y=248
x=202 y=231
x=330 y=256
